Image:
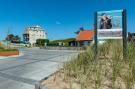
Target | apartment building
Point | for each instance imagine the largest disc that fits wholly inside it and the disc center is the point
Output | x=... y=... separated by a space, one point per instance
x=31 y=34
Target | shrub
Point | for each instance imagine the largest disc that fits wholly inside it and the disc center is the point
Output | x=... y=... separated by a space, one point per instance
x=41 y=42
x=7 y=49
x=1 y=48
x=53 y=44
x=64 y=42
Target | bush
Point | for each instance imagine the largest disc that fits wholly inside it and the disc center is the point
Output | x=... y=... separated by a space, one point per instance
x=1 y=48
x=7 y=49
x=53 y=44
x=41 y=42
x=64 y=42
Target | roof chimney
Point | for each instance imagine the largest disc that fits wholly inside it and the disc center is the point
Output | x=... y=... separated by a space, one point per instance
x=81 y=29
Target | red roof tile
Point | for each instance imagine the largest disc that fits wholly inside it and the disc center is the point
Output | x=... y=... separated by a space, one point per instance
x=85 y=35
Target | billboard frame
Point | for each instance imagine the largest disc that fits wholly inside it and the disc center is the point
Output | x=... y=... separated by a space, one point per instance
x=124 y=33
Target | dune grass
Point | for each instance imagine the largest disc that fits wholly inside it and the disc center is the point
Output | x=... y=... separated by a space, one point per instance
x=108 y=71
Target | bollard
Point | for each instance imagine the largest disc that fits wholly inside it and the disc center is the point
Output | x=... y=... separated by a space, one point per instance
x=38 y=85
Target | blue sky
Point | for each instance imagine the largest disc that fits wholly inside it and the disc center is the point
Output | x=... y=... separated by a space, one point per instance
x=60 y=18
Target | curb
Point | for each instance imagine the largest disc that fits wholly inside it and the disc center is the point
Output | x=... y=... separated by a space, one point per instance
x=4 y=57
x=39 y=84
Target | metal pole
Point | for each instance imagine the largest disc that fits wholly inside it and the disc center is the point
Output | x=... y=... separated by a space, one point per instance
x=95 y=34
x=7 y=37
x=124 y=26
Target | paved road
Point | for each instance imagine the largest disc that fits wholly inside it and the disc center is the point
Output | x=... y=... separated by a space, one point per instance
x=35 y=64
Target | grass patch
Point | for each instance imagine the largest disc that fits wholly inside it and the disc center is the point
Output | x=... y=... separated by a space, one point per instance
x=2 y=48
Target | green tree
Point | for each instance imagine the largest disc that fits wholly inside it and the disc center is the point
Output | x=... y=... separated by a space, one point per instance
x=41 y=42
x=13 y=39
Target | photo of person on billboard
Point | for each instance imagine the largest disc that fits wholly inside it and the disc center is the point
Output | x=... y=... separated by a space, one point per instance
x=109 y=24
x=105 y=22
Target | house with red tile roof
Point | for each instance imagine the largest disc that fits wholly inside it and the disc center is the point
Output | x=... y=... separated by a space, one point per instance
x=85 y=37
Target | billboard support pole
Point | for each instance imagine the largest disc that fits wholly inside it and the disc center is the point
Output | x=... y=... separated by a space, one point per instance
x=124 y=26
x=95 y=35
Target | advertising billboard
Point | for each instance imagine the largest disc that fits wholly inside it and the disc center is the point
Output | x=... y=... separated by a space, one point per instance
x=109 y=24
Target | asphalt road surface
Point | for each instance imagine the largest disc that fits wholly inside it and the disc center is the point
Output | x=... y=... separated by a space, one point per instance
x=25 y=71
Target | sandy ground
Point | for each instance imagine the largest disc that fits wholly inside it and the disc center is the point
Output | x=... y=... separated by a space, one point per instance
x=57 y=81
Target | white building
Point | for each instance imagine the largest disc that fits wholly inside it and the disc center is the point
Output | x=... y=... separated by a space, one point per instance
x=33 y=33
